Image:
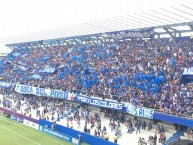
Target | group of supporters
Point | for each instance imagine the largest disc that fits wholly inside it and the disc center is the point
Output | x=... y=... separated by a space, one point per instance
x=135 y=71
x=47 y=108
x=54 y=109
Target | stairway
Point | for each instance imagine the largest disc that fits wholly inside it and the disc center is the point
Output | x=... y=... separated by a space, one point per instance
x=176 y=136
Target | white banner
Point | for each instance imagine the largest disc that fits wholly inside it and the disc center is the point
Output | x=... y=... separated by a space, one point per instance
x=188 y=71
x=141 y=112
x=31 y=124
x=24 y=89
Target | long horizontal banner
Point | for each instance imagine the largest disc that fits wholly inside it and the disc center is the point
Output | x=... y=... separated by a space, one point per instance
x=24 y=89
x=31 y=124
x=139 y=111
x=99 y=103
x=126 y=34
x=67 y=138
x=142 y=112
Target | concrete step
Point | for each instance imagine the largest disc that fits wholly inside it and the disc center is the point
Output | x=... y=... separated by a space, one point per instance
x=171 y=131
x=184 y=137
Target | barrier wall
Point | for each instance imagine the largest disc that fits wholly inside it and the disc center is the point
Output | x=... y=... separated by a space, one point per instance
x=173 y=119
x=65 y=137
x=31 y=122
x=17 y=115
x=92 y=140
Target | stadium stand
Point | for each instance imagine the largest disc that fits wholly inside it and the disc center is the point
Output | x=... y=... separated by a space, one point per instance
x=126 y=78
x=135 y=70
x=83 y=118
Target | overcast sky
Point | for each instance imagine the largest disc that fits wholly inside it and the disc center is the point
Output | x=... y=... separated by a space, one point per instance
x=25 y=16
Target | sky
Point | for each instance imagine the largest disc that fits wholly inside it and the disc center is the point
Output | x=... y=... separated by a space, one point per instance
x=25 y=16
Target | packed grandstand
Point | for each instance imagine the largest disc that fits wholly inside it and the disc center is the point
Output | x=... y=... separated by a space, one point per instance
x=103 y=88
x=145 y=73
x=134 y=71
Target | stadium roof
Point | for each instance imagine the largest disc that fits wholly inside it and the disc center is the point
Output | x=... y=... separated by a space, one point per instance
x=166 y=16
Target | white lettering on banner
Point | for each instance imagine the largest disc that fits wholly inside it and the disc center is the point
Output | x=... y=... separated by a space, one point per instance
x=188 y=71
x=56 y=134
x=103 y=103
x=24 y=89
x=100 y=103
x=142 y=112
x=70 y=139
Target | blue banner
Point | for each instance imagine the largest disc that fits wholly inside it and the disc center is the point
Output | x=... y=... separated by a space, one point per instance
x=60 y=135
x=89 y=139
x=139 y=111
x=36 y=77
x=99 y=103
x=126 y=34
x=5 y=85
x=24 y=89
x=175 y=119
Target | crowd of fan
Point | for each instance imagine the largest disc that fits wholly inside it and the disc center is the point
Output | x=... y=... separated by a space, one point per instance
x=92 y=121
x=51 y=108
x=139 y=70
x=115 y=120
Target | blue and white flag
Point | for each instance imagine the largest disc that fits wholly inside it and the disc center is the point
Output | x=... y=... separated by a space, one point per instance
x=46 y=57
x=5 y=84
x=16 y=54
x=70 y=50
x=23 y=68
x=48 y=69
x=36 y=77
